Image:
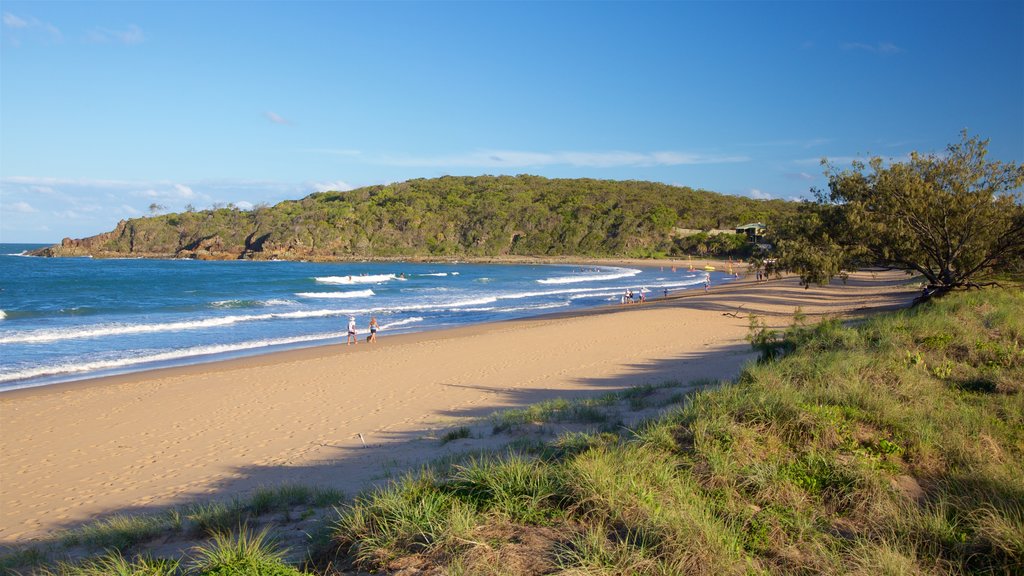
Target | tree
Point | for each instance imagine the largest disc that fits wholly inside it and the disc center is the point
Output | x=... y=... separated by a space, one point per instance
x=954 y=218
x=154 y=208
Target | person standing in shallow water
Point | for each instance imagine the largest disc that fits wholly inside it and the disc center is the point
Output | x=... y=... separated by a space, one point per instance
x=352 y=331
x=373 y=329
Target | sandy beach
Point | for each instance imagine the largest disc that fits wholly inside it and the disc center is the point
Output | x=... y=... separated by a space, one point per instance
x=348 y=416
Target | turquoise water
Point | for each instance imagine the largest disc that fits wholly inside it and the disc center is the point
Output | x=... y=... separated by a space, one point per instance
x=64 y=319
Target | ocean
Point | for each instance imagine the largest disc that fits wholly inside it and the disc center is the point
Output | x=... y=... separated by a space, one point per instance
x=64 y=319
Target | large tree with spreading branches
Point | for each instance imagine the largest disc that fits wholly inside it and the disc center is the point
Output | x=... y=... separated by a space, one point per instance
x=954 y=218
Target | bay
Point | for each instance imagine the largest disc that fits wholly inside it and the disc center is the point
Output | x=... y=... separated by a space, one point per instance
x=63 y=319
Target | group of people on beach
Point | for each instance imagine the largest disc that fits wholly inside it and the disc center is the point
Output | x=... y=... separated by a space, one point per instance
x=353 y=339
x=631 y=297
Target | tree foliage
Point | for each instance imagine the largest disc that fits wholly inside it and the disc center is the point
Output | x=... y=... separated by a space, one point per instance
x=485 y=216
x=954 y=218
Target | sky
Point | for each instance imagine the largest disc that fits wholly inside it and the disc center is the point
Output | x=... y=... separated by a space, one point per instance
x=110 y=108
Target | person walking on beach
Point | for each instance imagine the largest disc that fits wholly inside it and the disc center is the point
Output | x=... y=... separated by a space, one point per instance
x=707 y=281
x=352 y=331
x=373 y=329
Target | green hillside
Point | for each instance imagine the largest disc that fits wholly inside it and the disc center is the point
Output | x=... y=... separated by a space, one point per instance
x=473 y=217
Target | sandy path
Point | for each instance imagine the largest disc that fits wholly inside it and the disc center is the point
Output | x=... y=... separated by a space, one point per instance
x=134 y=443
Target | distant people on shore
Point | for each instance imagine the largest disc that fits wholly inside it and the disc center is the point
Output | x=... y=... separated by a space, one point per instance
x=352 y=331
x=373 y=329
x=707 y=281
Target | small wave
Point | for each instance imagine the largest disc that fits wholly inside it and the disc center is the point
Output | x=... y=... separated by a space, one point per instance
x=279 y=302
x=535 y=307
x=3 y=315
x=612 y=274
x=394 y=325
x=101 y=330
x=371 y=279
x=351 y=294
x=611 y=295
x=251 y=303
x=437 y=274
x=75 y=367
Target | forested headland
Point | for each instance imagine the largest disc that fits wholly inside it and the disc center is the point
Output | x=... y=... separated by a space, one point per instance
x=451 y=217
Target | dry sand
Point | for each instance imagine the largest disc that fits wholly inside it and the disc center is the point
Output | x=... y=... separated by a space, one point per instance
x=137 y=443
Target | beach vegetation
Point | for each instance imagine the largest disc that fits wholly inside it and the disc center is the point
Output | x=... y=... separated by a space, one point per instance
x=113 y=563
x=456 y=434
x=860 y=450
x=955 y=218
x=241 y=552
x=121 y=534
x=120 y=531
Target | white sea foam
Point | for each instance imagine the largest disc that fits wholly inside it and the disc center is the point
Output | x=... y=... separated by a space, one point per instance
x=3 y=314
x=394 y=325
x=76 y=366
x=279 y=302
x=101 y=330
x=371 y=279
x=608 y=274
x=438 y=274
x=350 y=294
x=536 y=307
x=251 y=303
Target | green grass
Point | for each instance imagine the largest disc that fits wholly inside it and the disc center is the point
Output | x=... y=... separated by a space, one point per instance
x=895 y=446
x=114 y=564
x=121 y=534
x=241 y=553
x=455 y=434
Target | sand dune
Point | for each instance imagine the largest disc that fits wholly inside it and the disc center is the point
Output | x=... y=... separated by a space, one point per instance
x=134 y=443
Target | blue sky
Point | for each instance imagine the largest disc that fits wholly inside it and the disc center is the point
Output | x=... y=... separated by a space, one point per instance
x=109 y=107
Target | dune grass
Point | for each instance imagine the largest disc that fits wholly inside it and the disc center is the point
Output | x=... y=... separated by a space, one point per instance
x=118 y=536
x=895 y=446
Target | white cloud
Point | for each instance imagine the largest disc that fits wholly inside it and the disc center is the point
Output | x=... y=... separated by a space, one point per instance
x=518 y=159
x=276 y=119
x=876 y=48
x=184 y=192
x=803 y=176
x=759 y=195
x=29 y=24
x=129 y=36
x=21 y=207
x=244 y=205
x=12 y=21
x=336 y=186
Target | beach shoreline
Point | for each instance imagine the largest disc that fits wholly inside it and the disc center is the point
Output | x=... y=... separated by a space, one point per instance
x=148 y=440
x=74 y=377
